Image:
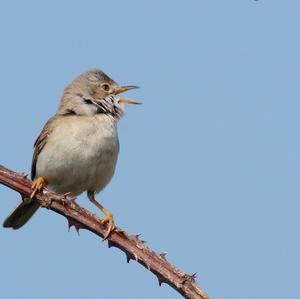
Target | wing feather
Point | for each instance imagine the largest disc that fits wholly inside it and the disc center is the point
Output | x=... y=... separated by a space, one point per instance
x=40 y=143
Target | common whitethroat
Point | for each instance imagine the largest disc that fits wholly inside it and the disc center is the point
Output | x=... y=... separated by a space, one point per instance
x=77 y=149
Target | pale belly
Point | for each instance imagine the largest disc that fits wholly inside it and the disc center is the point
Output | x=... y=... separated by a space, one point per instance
x=79 y=156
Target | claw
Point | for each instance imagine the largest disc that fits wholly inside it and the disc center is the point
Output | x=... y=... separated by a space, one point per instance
x=111 y=225
x=37 y=185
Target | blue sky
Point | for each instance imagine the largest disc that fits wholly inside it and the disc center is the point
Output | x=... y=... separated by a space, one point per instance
x=209 y=165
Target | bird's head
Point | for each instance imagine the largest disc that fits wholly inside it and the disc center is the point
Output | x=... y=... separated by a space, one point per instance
x=92 y=93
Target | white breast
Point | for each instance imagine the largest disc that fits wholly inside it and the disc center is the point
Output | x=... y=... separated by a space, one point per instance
x=80 y=154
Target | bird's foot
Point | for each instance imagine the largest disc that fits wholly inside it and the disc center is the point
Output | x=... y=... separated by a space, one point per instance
x=108 y=216
x=37 y=185
x=109 y=220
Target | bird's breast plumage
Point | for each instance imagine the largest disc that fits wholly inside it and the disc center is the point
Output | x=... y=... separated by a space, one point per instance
x=80 y=154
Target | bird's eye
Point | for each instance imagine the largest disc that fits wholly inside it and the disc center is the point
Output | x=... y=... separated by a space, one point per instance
x=105 y=87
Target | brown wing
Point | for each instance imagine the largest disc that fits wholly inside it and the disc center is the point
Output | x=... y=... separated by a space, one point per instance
x=40 y=143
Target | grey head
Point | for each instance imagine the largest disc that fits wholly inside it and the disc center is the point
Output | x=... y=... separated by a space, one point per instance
x=92 y=93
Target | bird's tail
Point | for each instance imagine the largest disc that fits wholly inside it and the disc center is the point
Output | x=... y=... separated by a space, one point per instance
x=21 y=214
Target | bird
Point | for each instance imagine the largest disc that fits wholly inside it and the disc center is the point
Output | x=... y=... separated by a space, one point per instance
x=77 y=149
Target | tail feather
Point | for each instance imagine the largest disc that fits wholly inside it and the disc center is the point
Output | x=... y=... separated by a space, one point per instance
x=21 y=214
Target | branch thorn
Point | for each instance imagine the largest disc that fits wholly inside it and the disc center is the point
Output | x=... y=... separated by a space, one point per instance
x=160 y=280
x=193 y=276
x=128 y=257
x=110 y=243
x=121 y=232
x=75 y=224
x=163 y=255
x=137 y=236
x=24 y=175
x=77 y=227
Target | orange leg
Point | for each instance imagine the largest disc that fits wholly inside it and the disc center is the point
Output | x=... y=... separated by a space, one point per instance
x=37 y=185
x=108 y=216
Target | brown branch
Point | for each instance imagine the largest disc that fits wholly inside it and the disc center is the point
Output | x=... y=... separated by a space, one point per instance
x=133 y=247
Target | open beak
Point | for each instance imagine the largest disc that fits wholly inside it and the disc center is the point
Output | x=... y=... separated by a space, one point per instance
x=121 y=89
x=128 y=101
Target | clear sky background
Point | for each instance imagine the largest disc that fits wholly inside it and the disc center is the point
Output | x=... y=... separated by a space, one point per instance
x=209 y=167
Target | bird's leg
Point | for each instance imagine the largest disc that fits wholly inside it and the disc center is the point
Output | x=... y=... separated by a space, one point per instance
x=108 y=216
x=37 y=185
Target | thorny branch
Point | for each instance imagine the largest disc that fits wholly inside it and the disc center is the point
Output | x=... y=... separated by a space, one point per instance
x=131 y=245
